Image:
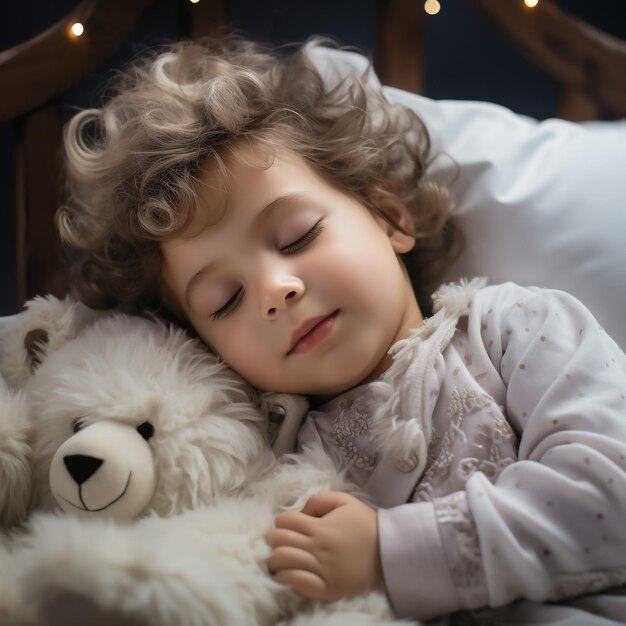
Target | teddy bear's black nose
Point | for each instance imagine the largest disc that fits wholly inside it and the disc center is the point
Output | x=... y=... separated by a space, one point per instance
x=81 y=467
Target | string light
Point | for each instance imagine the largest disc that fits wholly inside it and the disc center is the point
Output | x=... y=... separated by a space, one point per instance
x=432 y=7
x=77 y=29
x=531 y=4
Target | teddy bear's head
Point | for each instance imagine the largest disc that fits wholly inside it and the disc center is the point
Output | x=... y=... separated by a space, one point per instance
x=131 y=416
x=46 y=324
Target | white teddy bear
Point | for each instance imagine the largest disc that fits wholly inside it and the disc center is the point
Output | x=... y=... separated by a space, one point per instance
x=160 y=455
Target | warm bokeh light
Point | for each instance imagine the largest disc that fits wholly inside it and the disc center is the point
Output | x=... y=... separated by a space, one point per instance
x=432 y=7
x=77 y=29
x=194 y=1
x=531 y=4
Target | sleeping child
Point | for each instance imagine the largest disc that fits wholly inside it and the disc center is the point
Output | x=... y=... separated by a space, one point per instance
x=292 y=227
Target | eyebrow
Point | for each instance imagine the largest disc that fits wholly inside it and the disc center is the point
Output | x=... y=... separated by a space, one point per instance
x=281 y=201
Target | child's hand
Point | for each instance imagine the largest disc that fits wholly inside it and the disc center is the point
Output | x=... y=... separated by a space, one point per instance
x=329 y=550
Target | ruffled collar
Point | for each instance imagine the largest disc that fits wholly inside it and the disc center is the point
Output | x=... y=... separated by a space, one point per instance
x=407 y=392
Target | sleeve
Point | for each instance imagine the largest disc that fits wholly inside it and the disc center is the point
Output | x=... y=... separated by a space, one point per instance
x=551 y=525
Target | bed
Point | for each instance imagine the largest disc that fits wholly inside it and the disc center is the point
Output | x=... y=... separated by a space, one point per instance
x=541 y=203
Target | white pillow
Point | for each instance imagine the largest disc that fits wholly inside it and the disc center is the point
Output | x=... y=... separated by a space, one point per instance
x=541 y=203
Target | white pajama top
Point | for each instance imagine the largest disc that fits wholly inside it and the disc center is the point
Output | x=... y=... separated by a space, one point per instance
x=494 y=449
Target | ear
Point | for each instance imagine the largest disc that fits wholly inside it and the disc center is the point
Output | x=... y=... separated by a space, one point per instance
x=45 y=325
x=35 y=343
x=398 y=226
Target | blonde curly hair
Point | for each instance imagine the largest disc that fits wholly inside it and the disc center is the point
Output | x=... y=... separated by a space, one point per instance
x=133 y=164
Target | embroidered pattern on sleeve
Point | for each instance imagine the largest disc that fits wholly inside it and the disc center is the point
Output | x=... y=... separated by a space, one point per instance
x=462 y=547
x=462 y=402
x=349 y=425
x=491 y=437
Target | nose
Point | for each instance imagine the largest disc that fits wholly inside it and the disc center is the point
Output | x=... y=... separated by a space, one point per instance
x=279 y=290
x=81 y=468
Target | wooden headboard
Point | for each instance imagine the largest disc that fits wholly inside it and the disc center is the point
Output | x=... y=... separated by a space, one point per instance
x=589 y=65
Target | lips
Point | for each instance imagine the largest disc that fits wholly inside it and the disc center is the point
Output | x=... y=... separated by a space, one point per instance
x=311 y=332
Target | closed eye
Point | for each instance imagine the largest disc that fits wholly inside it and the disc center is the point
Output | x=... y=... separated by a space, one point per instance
x=305 y=239
x=229 y=306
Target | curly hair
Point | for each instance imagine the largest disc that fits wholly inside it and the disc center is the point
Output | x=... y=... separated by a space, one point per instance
x=133 y=165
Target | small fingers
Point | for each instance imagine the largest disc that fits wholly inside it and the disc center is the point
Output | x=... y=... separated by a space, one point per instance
x=303 y=582
x=285 y=537
x=295 y=521
x=324 y=502
x=287 y=557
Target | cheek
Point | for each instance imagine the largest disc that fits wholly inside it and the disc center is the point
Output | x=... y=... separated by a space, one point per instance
x=361 y=266
x=243 y=349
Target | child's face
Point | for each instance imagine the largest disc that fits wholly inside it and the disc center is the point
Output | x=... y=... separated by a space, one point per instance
x=280 y=251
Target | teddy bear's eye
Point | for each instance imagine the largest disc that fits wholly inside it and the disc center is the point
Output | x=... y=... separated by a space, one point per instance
x=146 y=430
x=77 y=424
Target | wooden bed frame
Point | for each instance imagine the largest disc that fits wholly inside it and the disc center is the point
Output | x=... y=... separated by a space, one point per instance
x=589 y=65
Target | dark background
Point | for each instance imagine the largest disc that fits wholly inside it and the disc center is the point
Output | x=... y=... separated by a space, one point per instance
x=466 y=59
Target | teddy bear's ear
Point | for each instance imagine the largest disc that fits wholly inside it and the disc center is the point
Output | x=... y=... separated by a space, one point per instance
x=45 y=325
x=35 y=342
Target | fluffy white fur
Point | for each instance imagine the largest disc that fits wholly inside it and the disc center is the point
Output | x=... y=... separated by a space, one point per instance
x=15 y=457
x=196 y=554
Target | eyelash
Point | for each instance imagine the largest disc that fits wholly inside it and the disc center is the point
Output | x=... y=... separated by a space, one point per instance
x=227 y=308
x=306 y=238
x=298 y=244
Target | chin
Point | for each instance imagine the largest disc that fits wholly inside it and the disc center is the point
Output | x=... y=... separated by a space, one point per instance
x=329 y=391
